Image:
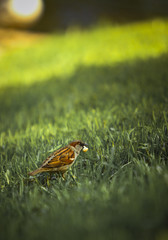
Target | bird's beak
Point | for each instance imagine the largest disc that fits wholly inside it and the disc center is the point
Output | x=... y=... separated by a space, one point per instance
x=85 y=149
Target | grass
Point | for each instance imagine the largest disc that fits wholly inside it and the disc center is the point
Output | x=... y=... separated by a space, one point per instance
x=107 y=86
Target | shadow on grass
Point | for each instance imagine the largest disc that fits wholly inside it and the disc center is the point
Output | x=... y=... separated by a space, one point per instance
x=94 y=87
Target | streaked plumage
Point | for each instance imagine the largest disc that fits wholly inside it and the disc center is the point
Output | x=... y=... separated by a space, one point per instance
x=62 y=159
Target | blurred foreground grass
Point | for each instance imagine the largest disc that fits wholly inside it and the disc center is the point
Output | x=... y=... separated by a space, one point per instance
x=107 y=86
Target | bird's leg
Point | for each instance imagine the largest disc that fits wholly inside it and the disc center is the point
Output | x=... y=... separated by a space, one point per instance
x=48 y=180
x=73 y=177
x=63 y=175
x=50 y=177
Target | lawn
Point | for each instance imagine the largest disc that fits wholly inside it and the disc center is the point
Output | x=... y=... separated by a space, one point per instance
x=107 y=86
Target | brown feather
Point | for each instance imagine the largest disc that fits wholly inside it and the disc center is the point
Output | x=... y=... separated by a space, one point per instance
x=39 y=170
x=60 y=160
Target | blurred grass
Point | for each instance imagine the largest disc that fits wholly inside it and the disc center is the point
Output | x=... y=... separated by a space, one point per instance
x=63 y=53
x=107 y=86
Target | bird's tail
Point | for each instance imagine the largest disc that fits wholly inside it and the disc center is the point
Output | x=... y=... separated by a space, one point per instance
x=38 y=170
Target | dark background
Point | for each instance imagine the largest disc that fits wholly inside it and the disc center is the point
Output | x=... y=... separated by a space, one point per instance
x=83 y=13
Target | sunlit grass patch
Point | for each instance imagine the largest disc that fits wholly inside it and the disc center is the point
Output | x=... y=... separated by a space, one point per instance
x=60 y=54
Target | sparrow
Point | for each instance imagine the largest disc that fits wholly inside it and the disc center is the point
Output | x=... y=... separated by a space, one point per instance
x=62 y=159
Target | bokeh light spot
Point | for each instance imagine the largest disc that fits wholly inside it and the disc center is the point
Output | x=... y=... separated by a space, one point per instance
x=24 y=7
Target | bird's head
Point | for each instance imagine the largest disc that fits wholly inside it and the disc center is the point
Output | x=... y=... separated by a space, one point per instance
x=79 y=145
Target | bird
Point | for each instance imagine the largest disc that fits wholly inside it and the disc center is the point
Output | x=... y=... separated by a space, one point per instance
x=62 y=159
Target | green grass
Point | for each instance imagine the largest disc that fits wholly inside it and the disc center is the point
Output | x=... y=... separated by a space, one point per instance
x=107 y=86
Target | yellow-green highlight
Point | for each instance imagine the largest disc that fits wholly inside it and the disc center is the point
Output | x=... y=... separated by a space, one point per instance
x=60 y=54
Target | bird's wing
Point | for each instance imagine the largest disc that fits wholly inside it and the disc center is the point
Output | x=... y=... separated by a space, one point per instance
x=59 y=158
